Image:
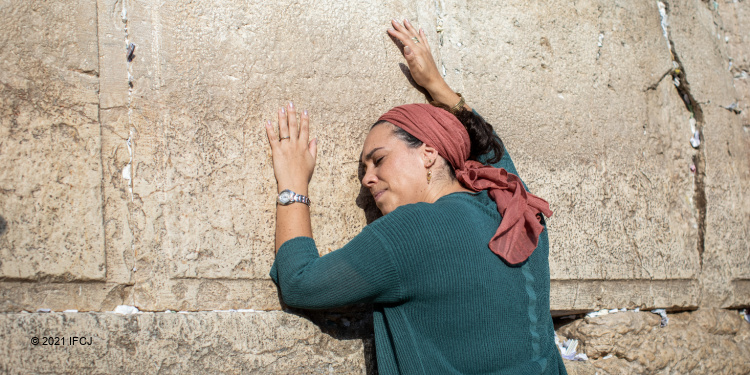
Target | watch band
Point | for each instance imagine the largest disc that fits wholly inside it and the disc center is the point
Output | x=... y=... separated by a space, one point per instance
x=287 y=197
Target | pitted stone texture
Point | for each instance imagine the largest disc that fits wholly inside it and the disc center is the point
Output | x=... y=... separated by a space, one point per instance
x=726 y=261
x=707 y=341
x=732 y=19
x=578 y=94
x=576 y=296
x=726 y=146
x=586 y=81
x=25 y=296
x=175 y=343
x=205 y=75
x=50 y=180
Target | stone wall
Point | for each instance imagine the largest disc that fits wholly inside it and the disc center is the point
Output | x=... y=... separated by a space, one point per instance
x=708 y=341
x=147 y=181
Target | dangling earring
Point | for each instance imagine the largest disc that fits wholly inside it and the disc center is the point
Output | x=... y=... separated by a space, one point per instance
x=429 y=172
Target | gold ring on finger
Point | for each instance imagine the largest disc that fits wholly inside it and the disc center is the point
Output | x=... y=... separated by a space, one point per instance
x=415 y=39
x=283 y=138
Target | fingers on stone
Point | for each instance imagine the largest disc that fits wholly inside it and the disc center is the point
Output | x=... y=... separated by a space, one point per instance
x=410 y=28
x=292 y=120
x=304 y=126
x=423 y=37
x=283 y=125
x=273 y=139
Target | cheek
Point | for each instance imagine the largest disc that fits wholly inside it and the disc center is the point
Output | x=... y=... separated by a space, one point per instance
x=404 y=184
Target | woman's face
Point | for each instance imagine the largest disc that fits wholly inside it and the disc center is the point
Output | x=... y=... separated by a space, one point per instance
x=394 y=173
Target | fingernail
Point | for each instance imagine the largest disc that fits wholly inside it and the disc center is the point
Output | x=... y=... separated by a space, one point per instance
x=407 y=50
x=305 y=112
x=406 y=21
x=283 y=110
x=291 y=105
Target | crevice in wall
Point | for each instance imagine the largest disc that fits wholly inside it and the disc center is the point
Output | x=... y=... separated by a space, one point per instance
x=128 y=171
x=681 y=84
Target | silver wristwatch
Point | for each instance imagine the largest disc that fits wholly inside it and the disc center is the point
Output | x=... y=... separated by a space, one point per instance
x=288 y=197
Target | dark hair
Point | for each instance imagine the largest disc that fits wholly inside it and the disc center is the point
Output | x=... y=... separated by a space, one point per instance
x=483 y=139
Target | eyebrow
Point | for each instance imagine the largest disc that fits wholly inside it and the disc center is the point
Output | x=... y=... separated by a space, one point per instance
x=369 y=154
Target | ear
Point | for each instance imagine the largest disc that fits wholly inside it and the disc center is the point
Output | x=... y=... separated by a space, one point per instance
x=429 y=155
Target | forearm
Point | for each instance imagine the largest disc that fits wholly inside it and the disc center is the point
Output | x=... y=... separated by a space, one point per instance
x=292 y=220
x=361 y=271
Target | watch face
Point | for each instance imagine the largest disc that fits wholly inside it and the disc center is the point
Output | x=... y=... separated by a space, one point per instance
x=285 y=197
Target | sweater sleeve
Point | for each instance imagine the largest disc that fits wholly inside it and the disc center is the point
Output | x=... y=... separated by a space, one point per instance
x=362 y=271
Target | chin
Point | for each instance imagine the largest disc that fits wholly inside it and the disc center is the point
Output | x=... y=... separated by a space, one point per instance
x=384 y=210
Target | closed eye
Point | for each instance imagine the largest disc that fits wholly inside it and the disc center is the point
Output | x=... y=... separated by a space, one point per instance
x=377 y=161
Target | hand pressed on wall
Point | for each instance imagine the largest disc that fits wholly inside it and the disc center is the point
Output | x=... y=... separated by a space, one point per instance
x=417 y=54
x=422 y=65
x=293 y=153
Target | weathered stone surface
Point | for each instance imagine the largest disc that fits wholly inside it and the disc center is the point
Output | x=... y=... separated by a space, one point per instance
x=186 y=177
x=25 y=296
x=175 y=343
x=204 y=76
x=50 y=180
x=574 y=91
x=149 y=182
x=707 y=341
x=575 y=296
x=725 y=149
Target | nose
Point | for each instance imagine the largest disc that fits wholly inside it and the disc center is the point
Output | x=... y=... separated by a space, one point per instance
x=369 y=179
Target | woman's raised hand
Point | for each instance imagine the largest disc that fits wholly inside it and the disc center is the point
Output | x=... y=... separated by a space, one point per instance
x=421 y=64
x=292 y=152
x=418 y=54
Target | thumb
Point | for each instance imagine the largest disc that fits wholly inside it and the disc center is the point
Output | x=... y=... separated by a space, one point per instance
x=313 y=148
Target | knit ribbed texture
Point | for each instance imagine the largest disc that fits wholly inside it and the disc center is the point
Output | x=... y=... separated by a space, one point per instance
x=444 y=303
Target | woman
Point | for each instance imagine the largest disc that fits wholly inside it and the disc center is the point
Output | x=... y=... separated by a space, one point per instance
x=456 y=286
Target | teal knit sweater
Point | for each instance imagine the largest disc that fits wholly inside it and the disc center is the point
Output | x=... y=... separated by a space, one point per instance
x=444 y=303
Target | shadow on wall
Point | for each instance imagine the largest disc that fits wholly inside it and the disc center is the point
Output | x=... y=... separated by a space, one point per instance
x=351 y=322
x=365 y=200
x=4 y=225
x=345 y=323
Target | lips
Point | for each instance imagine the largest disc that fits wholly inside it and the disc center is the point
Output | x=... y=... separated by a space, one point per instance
x=378 y=195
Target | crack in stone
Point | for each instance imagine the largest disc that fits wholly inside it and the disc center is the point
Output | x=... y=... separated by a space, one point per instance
x=658 y=82
x=679 y=77
x=128 y=172
x=88 y=72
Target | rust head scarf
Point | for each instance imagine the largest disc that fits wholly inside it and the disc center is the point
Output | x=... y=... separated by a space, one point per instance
x=518 y=233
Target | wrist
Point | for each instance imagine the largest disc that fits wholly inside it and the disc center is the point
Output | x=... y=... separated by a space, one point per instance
x=439 y=89
x=444 y=95
x=299 y=189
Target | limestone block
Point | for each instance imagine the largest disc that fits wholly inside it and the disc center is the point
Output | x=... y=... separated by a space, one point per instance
x=725 y=148
x=176 y=343
x=733 y=19
x=576 y=296
x=204 y=76
x=50 y=182
x=153 y=176
x=25 y=296
x=578 y=93
x=707 y=341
